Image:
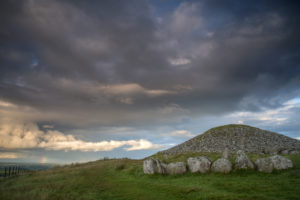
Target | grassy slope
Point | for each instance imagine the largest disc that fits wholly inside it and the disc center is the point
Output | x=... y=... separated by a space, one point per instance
x=124 y=179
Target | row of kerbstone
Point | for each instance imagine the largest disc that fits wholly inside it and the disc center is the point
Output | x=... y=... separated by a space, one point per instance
x=223 y=165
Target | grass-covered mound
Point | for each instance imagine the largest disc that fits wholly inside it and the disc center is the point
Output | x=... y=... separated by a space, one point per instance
x=124 y=179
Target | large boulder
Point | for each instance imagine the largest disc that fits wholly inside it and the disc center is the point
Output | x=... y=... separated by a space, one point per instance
x=176 y=168
x=264 y=165
x=199 y=164
x=273 y=162
x=226 y=154
x=280 y=162
x=242 y=161
x=154 y=166
x=222 y=165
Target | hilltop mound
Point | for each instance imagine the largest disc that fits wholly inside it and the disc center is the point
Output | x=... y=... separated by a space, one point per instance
x=237 y=137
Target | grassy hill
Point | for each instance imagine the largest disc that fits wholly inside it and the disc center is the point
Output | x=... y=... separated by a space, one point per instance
x=124 y=179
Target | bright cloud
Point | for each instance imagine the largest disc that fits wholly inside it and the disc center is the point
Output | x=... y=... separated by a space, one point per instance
x=181 y=133
x=179 y=61
x=21 y=136
x=9 y=155
x=131 y=89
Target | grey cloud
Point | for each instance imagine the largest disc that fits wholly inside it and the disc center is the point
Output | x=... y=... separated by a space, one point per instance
x=201 y=58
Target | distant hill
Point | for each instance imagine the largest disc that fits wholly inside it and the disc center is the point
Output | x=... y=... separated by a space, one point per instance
x=237 y=137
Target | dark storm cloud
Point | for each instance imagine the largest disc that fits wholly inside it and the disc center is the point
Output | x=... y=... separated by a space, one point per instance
x=108 y=62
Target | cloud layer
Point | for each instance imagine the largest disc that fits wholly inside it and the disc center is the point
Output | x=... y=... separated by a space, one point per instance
x=91 y=64
x=14 y=135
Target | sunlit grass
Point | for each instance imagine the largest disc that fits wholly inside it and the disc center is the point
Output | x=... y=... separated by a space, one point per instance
x=124 y=179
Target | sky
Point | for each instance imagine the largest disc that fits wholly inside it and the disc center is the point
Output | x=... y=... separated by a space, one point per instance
x=84 y=80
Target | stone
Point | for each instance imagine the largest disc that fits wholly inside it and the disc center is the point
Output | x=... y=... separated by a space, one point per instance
x=199 y=164
x=176 y=168
x=226 y=154
x=148 y=166
x=264 y=165
x=293 y=152
x=154 y=166
x=242 y=161
x=222 y=165
x=285 y=152
x=280 y=162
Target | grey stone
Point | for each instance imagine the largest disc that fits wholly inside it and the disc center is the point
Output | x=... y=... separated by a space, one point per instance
x=176 y=168
x=148 y=166
x=242 y=161
x=199 y=164
x=280 y=162
x=222 y=165
x=293 y=152
x=285 y=152
x=152 y=166
x=264 y=165
x=226 y=154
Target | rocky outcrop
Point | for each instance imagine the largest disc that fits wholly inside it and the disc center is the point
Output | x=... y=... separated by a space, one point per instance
x=199 y=164
x=154 y=166
x=221 y=165
x=274 y=162
x=176 y=168
x=242 y=161
x=237 y=137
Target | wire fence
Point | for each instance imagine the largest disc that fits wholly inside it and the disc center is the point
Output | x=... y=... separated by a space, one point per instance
x=12 y=171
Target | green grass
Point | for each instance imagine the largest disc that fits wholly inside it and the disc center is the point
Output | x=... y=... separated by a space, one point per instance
x=124 y=179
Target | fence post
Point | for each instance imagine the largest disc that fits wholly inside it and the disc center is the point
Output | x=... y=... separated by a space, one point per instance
x=4 y=171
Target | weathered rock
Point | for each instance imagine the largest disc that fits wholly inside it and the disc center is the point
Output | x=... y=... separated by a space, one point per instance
x=285 y=152
x=293 y=152
x=273 y=162
x=222 y=165
x=152 y=166
x=199 y=164
x=226 y=154
x=176 y=168
x=148 y=166
x=242 y=161
x=280 y=162
x=264 y=165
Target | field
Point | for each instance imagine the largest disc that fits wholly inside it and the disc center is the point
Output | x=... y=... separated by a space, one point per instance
x=124 y=179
